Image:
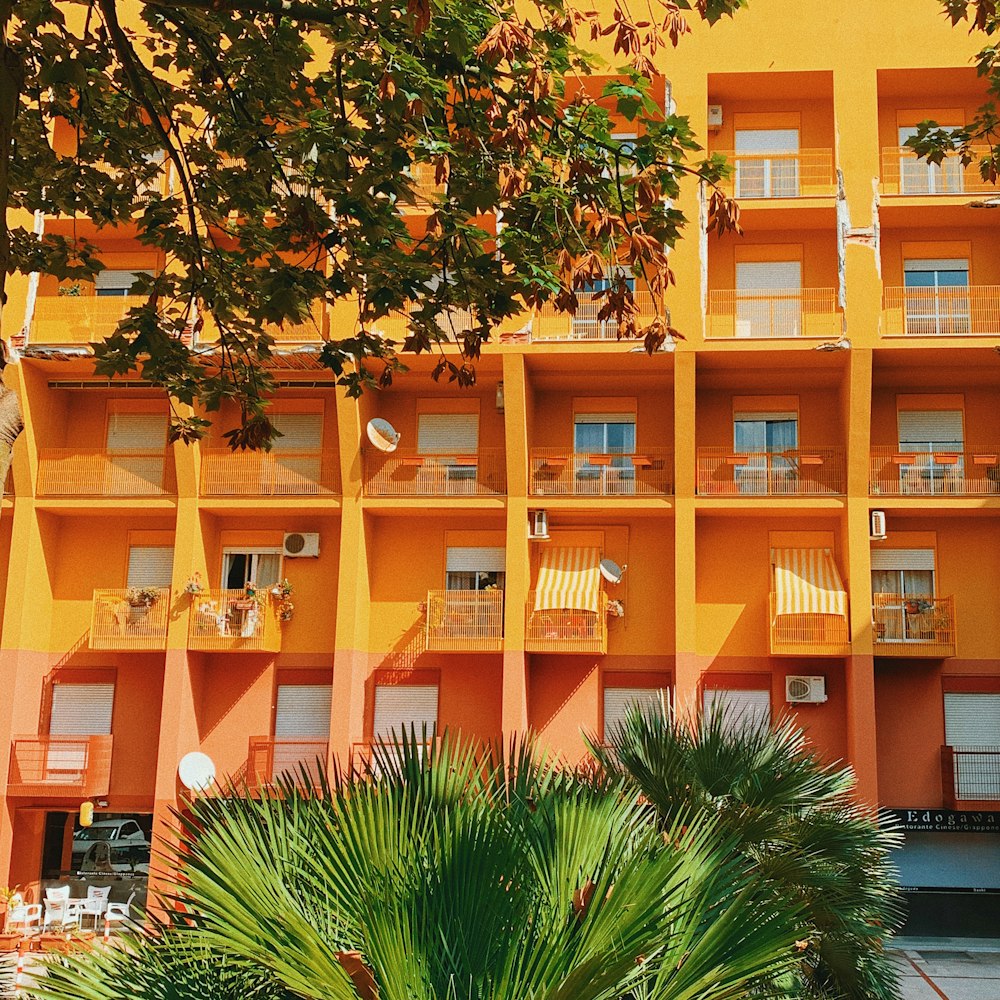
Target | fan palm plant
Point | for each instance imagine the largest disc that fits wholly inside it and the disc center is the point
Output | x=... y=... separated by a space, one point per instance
x=794 y=821
x=460 y=872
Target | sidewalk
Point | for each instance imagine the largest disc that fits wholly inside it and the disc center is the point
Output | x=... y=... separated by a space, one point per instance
x=949 y=968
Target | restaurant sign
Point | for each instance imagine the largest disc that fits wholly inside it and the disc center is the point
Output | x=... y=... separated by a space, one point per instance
x=946 y=820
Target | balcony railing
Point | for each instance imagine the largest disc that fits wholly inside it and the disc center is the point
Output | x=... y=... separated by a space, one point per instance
x=468 y=621
x=564 y=631
x=903 y=172
x=230 y=621
x=773 y=313
x=407 y=473
x=556 y=472
x=801 y=472
x=807 y=172
x=913 y=625
x=364 y=756
x=97 y=472
x=83 y=319
x=808 y=634
x=548 y=323
x=118 y=621
x=271 y=758
x=968 y=311
x=970 y=776
x=451 y=321
x=934 y=471
x=74 y=767
x=226 y=473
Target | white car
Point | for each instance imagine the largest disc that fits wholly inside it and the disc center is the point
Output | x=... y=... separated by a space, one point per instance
x=113 y=831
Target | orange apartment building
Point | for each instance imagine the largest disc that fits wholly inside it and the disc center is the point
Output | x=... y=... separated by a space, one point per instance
x=740 y=478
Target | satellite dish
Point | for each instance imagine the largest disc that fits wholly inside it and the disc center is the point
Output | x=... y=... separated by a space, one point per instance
x=196 y=771
x=611 y=571
x=382 y=434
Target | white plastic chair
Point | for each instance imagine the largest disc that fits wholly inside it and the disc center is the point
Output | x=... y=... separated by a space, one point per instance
x=96 y=902
x=22 y=916
x=60 y=908
x=119 y=913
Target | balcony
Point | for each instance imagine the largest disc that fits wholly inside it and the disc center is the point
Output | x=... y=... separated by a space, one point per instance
x=970 y=777
x=405 y=473
x=803 y=174
x=308 y=331
x=968 y=311
x=557 y=472
x=96 y=472
x=72 y=767
x=898 y=473
x=120 y=621
x=903 y=173
x=773 y=313
x=913 y=625
x=548 y=323
x=564 y=631
x=226 y=473
x=83 y=319
x=229 y=621
x=803 y=472
x=808 y=634
x=270 y=758
x=465 y=621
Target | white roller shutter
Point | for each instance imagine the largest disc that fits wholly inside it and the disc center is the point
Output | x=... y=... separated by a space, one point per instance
x=772 y=274
x=466 y=559
x=971 y=719
x=150 y=566
x=119 y=281
x=618 y=700
x=300 y=431
x=940 y=264
x=303 y=711
x=903 y=559
x=767 y=140
x=81 y=709
x=744 y=707
x=400 y=706
x=604 y=418
x=448 y=433
x=137 y=431
x=924 y=427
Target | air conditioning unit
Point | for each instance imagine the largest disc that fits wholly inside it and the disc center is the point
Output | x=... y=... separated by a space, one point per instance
x=877 y=525
x=715 y=116
x=301 y=544
x=805 y=690
x=538 y=524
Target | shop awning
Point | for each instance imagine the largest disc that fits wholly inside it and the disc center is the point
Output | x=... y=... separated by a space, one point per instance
x=806 y=582
x=570 y=579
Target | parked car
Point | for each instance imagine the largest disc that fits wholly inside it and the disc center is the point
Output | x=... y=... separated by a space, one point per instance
x=111 y=831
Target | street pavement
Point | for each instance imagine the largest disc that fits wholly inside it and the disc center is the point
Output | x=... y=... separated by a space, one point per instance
x=949 y=968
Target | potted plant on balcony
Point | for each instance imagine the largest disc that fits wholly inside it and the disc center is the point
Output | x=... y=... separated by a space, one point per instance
x=282 y=593
x=142 y=597
x=8 y=899
x=615 y=609
x=917 y=606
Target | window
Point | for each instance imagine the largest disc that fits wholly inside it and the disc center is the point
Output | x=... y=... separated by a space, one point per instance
x=81 y=709
x=301 y=722
x=750 y=708
x=971 y=722
x=297 y=454
x=619 y=700
x=398 y=707
x=936 y=439
x=903 y=594
x=150 y=566
x=136 y=444
x=455 y=437
x=261 y=567
x=470 y=568
x=769 y=298
x=920 y=177
x=596 y=435
x=108 y=283
x=585 y=324
x=769 y=167
x=937 y=297
x=764 y=439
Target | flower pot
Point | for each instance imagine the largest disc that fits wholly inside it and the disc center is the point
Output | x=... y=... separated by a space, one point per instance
x=9 y=941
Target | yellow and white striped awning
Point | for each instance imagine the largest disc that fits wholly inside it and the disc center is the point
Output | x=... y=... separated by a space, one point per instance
x=806 y=582
x=569 y=579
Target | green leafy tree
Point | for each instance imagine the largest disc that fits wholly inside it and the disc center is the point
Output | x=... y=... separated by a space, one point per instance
x=295 y=132
x=458 y=872
x=794 y=821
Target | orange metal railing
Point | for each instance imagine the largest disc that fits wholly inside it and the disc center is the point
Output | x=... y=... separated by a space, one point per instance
x=971 y=311
x=408 y=473
x=970 y=776
x=230 y=621
x=557 y=472
x=808 y=634
x=119 y=621
x=465 y=620
x=226 y=473
x=913 y=625
x=565 y=631
x=547 y=323
x=75 y=767
x=800 y=472
x=934 y=471
x=309 y=331
x=904 y=173
x=97 y=472
x=157 y=184
x=78 y=319
x=773 y=313
x=270 y=758
x=363 y=755
x=780 y=175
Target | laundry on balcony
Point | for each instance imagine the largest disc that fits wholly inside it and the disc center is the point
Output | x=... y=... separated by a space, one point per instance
x=569 y=579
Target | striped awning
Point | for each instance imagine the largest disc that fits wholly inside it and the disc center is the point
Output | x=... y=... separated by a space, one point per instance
x=806 y=582
x=570 y=579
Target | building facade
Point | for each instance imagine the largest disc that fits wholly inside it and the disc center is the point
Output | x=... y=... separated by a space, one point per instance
x=801 y=530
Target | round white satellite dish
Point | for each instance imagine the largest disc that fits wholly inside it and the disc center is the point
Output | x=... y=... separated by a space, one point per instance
x=382 y=434
x=611 y=571
x=196 y=771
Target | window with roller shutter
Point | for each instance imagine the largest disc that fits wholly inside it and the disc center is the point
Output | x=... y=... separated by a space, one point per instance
x=297 y=460
x=618 y=701
x=935 y=439
x=769 y=298
x=769 y=167
x=398 y=707
x=81 y=709
x=301 y=728
x=742 y=707
x=972 y=723
x=475 y=568
x=150 y=566
x=448 y=433
x=136 y=445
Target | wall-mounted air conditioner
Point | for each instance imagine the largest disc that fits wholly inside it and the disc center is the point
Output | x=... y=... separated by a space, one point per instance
x=715 y=116
x=538 y=524
x=877 y=525
x=299 y=544
x=805 y=690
